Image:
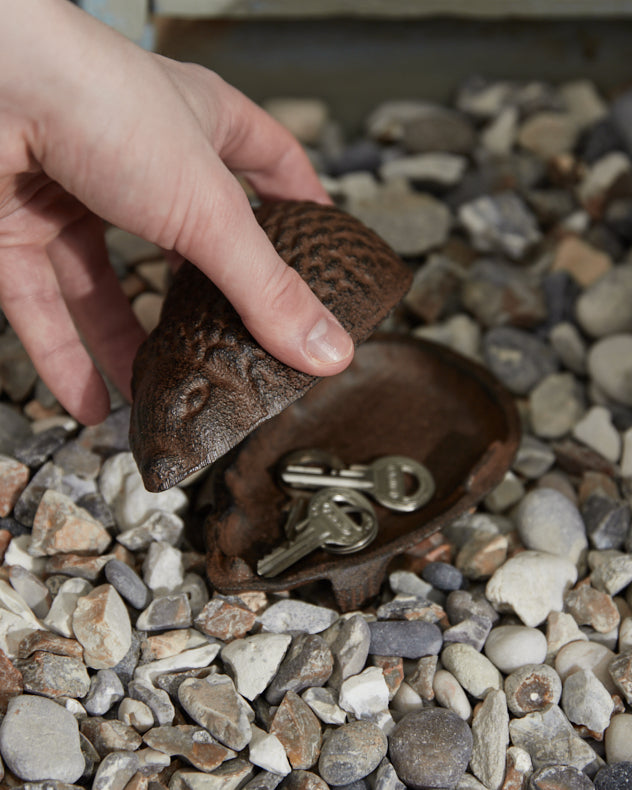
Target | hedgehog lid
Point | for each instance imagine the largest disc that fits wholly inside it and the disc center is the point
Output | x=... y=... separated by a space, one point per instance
x=201 y=383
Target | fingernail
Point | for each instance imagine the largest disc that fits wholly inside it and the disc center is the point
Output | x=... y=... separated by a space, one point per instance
x=328 y=342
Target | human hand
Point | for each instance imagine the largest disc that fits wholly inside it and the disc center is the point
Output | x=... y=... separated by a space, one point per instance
x=93 y=128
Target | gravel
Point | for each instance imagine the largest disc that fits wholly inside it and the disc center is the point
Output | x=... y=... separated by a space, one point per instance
x=501 y=660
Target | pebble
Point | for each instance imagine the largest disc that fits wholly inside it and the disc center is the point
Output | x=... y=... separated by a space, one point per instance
x=442 y=576
x=550 y=739
x=560 y=777
x=59 y=617
x=295 y=615
x=255 y=660
x=135 y=713
x=509 y=647
x=34 y=592
x=610 y=366
x=547 y=521
x=109 y=735
x=192 y=743
x=532 y=584
x=298 y=730
x=586 y=701
x=308 y=662
x=430 y=748
x=532 y=688
x=266 y=751
x=592 y=607
x=614 y=777
x=437 y=128
x=11 y=682
x=476 y=673
x=215 y=705
x=570 y=346
x=584 y=654
x=163 y=569
x=473 y=631
x=167 y=611
x=596 y=430
x=620 y=669
x=225 y=619
x=607 y=521
x=500 y=223
x=584 y=262
x=412 y=639
x=482 y=555
x=101 y=623
x=349 y=648
x=555 y=405
x=612 y=292
x=127 y=583
x=365 y=695
x=601 y=179
x=490 y=737
x=613 y=575
x=14 y=477
x=61 y=527
x=450 y=694
x=411 y=223
x=158 y=526
x=519 y=359
x=617 y=740
x=324 y=704
x=352 y=752
x=431 y=169
x=548 y=134
x=39 y=740
x=54 y=676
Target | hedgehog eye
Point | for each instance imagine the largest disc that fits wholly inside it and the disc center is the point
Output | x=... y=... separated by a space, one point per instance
x=194 y=399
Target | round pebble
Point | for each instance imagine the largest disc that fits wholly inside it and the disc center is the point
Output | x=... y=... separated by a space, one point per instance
x=430 y=748
x=517 y=358
x=618 y=738
x=614 y=777
x=610 y=366
x=531 y=688
x=548 y=521
x=442 y=576
x=351 y=752
x=39 y=740
x=604 y=308
x=474 y=671
x=555 y=405
x=509 y=647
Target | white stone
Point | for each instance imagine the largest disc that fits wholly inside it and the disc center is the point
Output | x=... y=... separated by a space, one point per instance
x=561 y=628
x=364 y=695
x=570 y=346
x=586 y=701
x=105 y=641
x=294 y=615
x=507 y=493
x=449 y=694
x=194 y=658
x=625 y=635
x=618 y=739
x=406 y=700
x=13 y=629
x=583 y=102
x=18 y=553
x=59 y=617
x=254 y=661
x=580 y=655
x=323 y=703
x=474 y=671
x=122 y=488
x=163 y=568
x=266 y=751
x=32 y=589
x=613 y=575
x=511 y=646
x=555 y=405
x=499 y=136
x=490 y=731
x=531 y=584
x=136 y=714
x=601 y=176
x=595 y=429
x=439 y=168
x=158 y=526
x=409 y=583
x=548 y=521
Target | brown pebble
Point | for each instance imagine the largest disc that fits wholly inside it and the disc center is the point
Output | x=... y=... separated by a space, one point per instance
x=581 y=260
x=11 y=683
x=393 y=670
x=5 y=538
x=13 y=479
x=164 y=645
x=89 y=568
x=482 y=555
x=597 y=483
x=307 y=663
x=575 y=459
x=620 y=669
x=517 y=769
x=592 y=607
x=422 y=678
x=298 y=729
x=225 y=619
x=101 y=623
x=303 y=780
x=137 y=782
x=110 y=735
x=193 y=743
x=49 y=642
x=62 y=527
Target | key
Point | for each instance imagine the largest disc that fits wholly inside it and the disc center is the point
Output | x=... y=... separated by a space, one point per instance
x=339 y=520
x=385 y=480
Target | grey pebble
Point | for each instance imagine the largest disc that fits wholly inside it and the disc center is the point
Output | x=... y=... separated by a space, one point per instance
x=408 y=639
x=349 y=649
x=105 y=690
x=442 y=576
x=607 y=521
x=54 y=676
x=308 y=662
x=386 y=778
x=463 y=604
x=534 y=458
x=166 y=611
x=570 y=347
x=604 y=307
x=157 y=700
x=128 y=583
x=351 y=752
x=37 y=449
x=472 y=631
x=610 y=366
x=98 y=508
x=555 y=405
x=39 y=740
x=48 y=476
x=115 y=770
x=214 y=704
x=490 y=736
x=614 y=777
x=500 y=223
x=586 y=701
x=76 y=459
x=519 y=359
x=430 y=748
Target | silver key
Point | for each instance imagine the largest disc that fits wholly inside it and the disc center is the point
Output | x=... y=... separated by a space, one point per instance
x=339 y=520
x=385 y=480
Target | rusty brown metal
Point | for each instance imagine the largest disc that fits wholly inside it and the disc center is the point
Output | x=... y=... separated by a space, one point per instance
x=201 y=382
x=401 y=395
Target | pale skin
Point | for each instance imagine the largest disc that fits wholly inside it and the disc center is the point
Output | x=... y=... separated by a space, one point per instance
x=94 y=129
